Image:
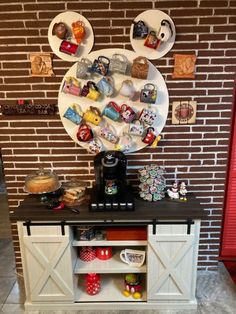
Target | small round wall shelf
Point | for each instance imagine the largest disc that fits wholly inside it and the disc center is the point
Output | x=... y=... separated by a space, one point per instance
x=161 y=105
x=152 y=19
x=86 y=45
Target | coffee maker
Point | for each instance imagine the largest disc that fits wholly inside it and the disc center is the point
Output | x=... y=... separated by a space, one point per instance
x=111 y=193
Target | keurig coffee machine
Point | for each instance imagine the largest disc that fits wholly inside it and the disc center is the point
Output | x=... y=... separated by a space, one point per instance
x=111 y=192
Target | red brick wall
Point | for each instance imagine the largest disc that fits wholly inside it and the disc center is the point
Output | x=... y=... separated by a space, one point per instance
x=196 y=153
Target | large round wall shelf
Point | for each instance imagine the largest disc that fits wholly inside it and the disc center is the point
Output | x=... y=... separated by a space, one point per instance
x=86 y=45
x=152 y=19
x=83 y=104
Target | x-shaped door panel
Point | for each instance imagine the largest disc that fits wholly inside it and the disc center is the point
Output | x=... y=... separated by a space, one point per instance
x=47 y=264
x=170 y=264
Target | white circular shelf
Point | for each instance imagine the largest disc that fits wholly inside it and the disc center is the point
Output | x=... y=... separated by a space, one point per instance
x=152 y=18
x=68 y=18
x=161 y=105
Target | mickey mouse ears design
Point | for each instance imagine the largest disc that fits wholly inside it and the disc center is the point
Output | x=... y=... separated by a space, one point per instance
x=62 y=40
x=152 y=34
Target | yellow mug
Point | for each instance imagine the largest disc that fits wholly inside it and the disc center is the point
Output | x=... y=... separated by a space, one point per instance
x=93 y=93
x=92 y=115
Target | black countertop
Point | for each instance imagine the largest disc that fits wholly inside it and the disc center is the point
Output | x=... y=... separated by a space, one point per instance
x=32 y=210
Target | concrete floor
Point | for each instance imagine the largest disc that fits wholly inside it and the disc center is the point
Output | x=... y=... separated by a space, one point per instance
x=216 y=293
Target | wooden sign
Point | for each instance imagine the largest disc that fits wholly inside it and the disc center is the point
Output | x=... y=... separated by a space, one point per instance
x=28 y=109
x=184 y=112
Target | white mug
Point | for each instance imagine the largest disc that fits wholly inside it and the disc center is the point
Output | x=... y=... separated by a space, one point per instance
x=133 y=258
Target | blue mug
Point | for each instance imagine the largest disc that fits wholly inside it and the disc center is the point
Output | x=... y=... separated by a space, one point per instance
x=112 y=111
x=105 y=86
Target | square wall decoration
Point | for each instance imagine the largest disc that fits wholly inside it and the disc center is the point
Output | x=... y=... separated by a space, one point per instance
x=41 y=64
x=184 y=112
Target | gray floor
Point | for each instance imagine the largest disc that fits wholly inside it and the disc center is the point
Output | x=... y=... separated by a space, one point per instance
x=216 y=292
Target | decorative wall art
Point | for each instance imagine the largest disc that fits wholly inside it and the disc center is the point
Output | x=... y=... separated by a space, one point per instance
x=152 y=34
x=108 y=112
x=184 y=112
x=41 y=64
x=184 y=66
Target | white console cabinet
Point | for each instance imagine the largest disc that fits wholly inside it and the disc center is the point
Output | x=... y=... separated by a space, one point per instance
x=54 y=273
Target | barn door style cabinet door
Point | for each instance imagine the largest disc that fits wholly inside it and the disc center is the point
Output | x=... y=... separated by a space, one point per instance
x=172 y=262
x=46 y=257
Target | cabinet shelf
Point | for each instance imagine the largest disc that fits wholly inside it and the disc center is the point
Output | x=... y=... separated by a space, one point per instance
x=111 y=291
x=110 y=243
x=112 y=265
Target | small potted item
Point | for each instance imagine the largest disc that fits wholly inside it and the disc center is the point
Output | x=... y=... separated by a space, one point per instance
x=93 y=283
x=68 y=48
x=118 y=63
x=127 y=89
x=127 y=113
x=104 y=253
x=71 y=86
x=73 y=116
x=95 y=146
x=78 y=29
x=106 y=86
x=112 y=111
x=108 y=134
x=59 y=30
x=136 y=128
x=84 y=133
x=149 y=136
x=140 y=68
x=148 y=94
x=87 y=253
x=82 y=70
x=140 y=30
x=148 y=116
x=92 y=115
x=100 y=65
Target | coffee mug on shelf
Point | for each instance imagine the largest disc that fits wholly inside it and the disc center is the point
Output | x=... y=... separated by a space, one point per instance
x=134 y=258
